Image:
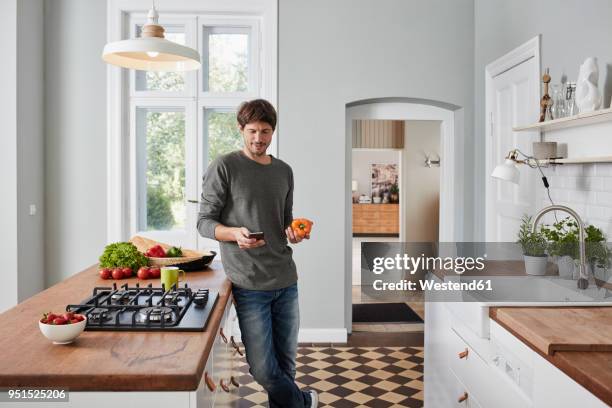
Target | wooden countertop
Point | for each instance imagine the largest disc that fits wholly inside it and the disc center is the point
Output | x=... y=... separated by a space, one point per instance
x=105 y=361
x=591 y=369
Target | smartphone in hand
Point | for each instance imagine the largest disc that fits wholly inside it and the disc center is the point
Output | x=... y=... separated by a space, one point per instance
x=256 y=235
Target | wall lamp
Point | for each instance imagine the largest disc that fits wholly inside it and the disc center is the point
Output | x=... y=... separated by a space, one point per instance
x=509 y=171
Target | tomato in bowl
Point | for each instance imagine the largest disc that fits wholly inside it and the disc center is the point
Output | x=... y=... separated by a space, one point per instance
x=62 y=328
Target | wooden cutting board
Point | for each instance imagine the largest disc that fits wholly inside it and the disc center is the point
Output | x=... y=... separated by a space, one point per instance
x=551 y=329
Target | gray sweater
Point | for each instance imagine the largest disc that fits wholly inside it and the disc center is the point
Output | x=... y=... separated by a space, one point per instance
x=239 y=192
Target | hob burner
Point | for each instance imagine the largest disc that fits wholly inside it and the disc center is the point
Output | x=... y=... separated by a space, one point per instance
x=156 y=314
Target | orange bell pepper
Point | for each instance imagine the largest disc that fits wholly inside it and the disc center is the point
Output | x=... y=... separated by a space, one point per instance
x=301 y=227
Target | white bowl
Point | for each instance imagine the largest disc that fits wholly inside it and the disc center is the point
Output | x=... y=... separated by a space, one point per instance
x=64 y=333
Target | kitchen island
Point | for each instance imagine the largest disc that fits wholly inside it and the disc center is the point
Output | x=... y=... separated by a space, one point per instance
x=179 y=369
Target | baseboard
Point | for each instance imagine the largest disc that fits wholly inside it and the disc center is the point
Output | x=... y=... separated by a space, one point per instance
x=322 y=336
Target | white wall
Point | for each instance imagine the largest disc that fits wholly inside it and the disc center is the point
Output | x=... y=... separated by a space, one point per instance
x=420 y=184
x=75 y=101
x=362 y=166
x=335 y=52
x=8 y=146
x=571 y=30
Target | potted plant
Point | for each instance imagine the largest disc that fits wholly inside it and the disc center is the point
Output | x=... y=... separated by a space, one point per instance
x=562 y=239
x=534 y=246
x=394 y=191
x=597 y=252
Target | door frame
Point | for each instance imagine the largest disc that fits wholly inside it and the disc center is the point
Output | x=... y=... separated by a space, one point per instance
x=522 y=53
x=452 y=177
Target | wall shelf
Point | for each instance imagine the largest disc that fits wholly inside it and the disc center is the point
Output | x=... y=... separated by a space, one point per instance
x=578 y=160
x=588 y=118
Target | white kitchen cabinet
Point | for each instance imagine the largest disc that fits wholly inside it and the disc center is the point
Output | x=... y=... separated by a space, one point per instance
x=495 y=369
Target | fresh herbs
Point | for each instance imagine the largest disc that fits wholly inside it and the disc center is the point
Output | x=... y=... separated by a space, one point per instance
x=122 y=254
x=533 y=243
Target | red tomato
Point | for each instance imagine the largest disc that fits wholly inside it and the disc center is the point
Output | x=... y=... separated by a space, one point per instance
x=105 y=273
x=60 y=320
x=127 y=272
x=154 y=272
x=143 y=273
x=117 y=273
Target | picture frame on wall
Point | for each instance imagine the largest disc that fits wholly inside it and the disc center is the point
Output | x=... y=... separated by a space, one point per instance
x=384 y=176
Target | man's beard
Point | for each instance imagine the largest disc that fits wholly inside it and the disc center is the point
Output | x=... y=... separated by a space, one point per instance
x=256 y=152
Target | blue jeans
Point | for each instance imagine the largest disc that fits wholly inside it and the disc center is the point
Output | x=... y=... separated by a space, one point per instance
x=269 y=323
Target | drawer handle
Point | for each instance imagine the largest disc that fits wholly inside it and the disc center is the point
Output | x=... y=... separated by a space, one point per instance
x=209 y=382
x=223 y=386
x=464 y=353
x=234 y=382
x=463 y=397
x=236 y=347
x=222 y=335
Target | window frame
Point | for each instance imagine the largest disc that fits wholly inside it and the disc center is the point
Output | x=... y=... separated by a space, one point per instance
x=120 y=148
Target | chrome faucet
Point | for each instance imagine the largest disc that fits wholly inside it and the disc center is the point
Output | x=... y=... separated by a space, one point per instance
x=583 y=281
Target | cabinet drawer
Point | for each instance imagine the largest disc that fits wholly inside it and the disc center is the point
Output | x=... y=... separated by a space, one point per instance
x=463 y=396
x=483 y=381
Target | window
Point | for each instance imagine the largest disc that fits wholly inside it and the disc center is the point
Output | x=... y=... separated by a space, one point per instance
x=166 y=127
x=161 y=168
x=226 y=59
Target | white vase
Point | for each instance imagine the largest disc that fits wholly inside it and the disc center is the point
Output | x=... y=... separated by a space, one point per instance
x=566 y=267
x=535 y=265
x=588 y=97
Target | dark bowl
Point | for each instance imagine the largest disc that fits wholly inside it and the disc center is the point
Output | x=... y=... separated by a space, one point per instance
x=198 y=264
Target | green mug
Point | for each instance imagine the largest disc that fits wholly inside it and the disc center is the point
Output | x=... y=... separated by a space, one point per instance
x=170 y=276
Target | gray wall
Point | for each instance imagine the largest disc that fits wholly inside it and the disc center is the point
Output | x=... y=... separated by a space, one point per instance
x=75 y=101
x=21 y=115
x=8 y=144
x=335 y=52
x=30 y=147
x=572 y=30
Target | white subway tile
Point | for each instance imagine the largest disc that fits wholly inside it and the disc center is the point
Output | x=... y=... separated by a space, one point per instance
x=599 y=212
x=603 y=169
x=604 y=198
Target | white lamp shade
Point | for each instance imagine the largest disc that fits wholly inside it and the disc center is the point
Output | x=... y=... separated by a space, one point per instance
x=507 y=171
x=136 y=54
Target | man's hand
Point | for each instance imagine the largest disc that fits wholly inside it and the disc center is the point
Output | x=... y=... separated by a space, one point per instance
x=241 y=236
x=293 y=238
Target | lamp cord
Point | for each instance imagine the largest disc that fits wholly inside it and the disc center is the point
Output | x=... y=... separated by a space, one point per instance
x=544 y=179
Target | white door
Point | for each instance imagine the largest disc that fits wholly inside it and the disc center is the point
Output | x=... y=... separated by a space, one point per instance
x=512 y=100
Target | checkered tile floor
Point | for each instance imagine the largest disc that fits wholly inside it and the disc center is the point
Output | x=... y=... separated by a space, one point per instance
x=377 y=377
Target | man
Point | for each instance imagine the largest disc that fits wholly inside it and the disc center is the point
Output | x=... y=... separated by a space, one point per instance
x=249 y=191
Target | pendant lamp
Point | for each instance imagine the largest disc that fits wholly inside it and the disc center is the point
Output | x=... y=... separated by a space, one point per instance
x=151 y=52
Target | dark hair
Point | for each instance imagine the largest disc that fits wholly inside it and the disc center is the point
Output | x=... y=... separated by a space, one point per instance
x=257 y=110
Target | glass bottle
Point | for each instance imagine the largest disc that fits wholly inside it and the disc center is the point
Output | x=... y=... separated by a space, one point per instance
x=571 y=108
x=558 y=99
